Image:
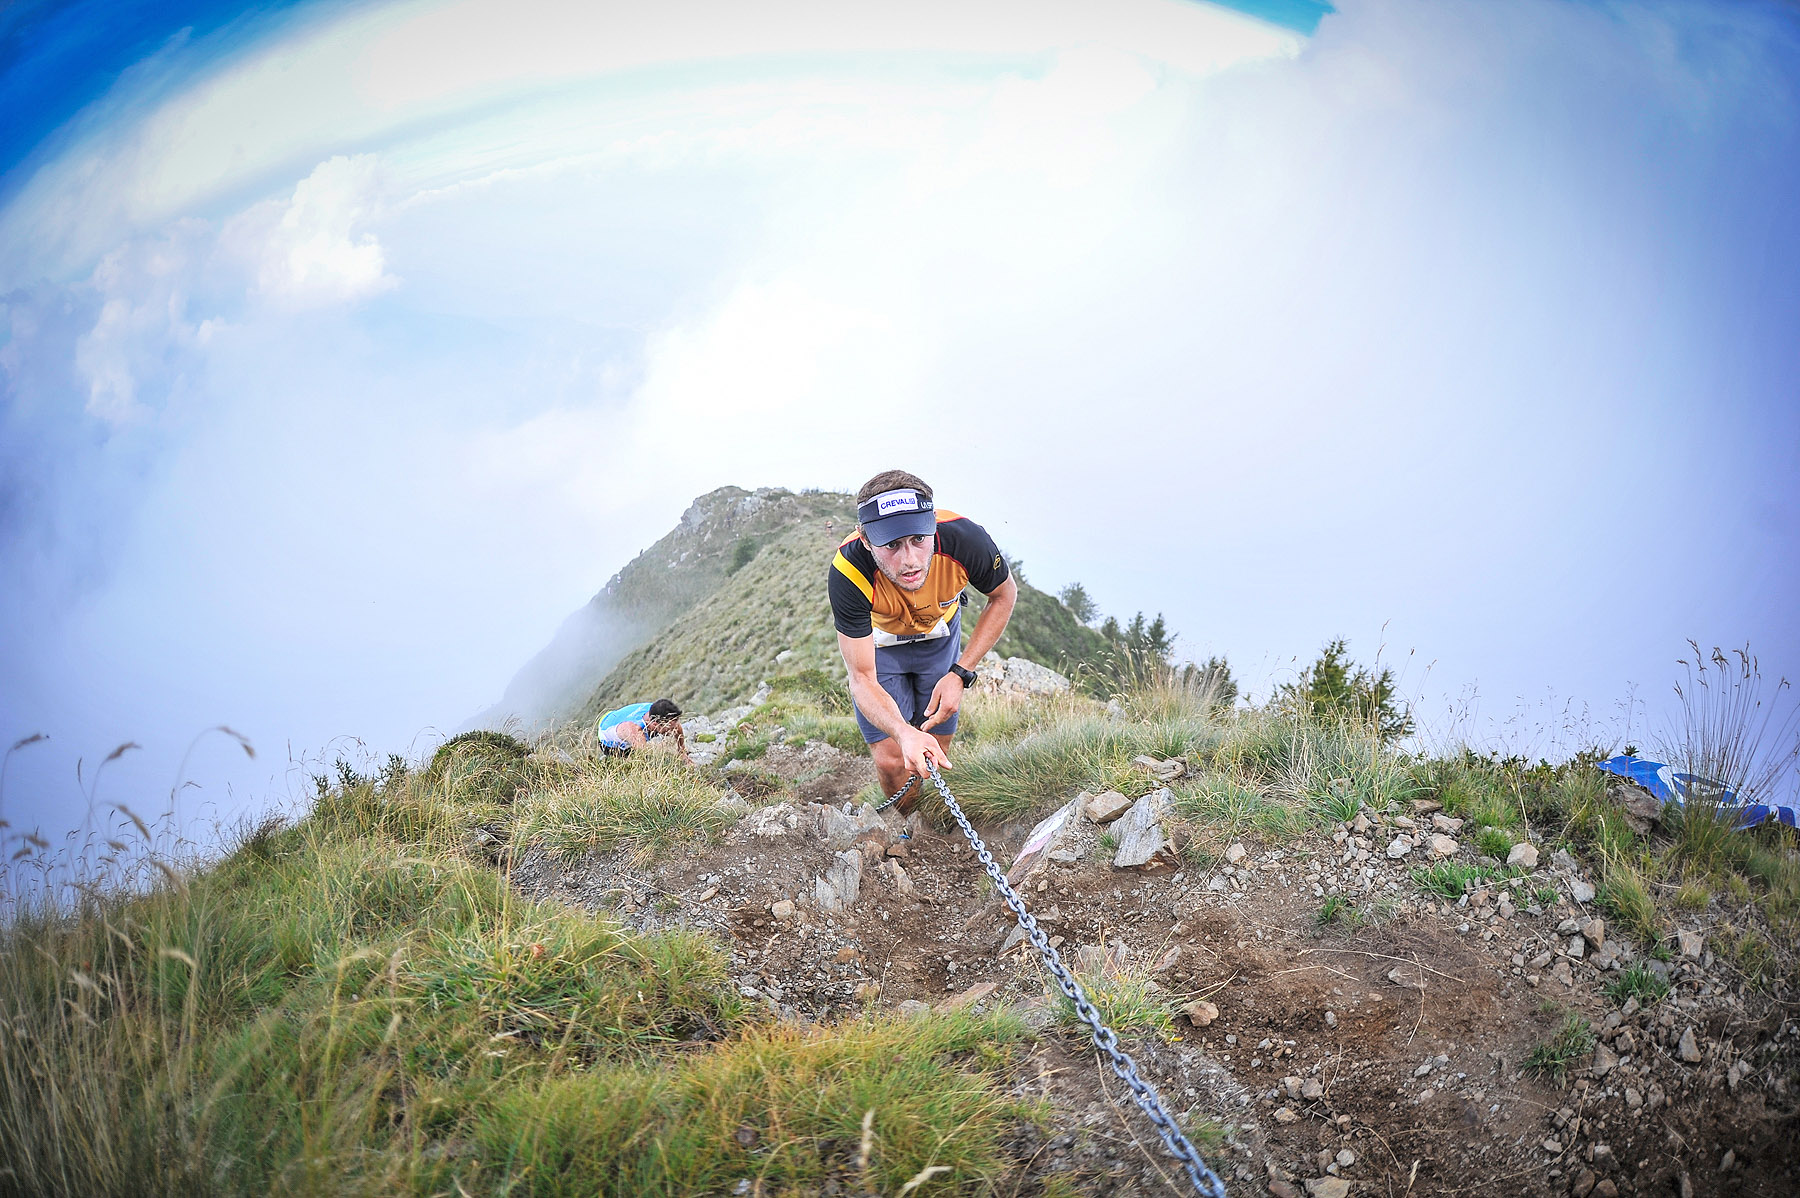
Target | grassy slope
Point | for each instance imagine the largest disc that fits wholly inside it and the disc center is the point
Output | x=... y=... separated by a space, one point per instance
x=653 y=591
x=360 y=1004
x=717 y=650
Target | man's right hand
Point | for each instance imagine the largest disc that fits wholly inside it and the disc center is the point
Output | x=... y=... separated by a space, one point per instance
x=916 y=746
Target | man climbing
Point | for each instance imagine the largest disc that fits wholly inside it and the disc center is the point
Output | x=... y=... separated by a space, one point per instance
x=896 y=589
x=626 y=728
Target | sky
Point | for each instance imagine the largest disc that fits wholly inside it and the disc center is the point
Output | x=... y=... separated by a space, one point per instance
x=346 y=349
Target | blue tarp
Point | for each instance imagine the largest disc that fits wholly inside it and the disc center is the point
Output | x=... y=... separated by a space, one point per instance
x=1672 y=786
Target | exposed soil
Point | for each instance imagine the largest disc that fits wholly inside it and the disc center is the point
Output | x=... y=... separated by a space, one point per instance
x=1401 y=1043
x=815 y=772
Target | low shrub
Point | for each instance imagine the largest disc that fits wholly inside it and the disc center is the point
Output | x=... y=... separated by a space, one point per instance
x=480 y=767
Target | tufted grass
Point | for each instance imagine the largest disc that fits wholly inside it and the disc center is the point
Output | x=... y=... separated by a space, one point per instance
x=642 y=805
x=1566 y=1049
x=356 y=1004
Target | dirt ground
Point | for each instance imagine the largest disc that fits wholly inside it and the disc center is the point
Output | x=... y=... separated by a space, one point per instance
x=1391 y=1057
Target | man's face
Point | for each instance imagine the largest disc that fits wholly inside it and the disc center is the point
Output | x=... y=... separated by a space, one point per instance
x=661 y=725
x=906 y=562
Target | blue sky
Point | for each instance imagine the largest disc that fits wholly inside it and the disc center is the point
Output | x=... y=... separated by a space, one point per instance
x=345 y=349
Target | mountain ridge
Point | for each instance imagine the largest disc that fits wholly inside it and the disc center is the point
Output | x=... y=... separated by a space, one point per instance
x=702 y=614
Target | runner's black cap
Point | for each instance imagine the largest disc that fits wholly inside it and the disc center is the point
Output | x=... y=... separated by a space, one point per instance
x=894 y=514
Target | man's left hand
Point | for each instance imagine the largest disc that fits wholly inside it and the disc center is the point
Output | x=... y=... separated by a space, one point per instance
x=946 y=700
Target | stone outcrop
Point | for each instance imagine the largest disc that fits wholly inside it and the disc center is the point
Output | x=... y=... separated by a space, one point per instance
x=1142 y=839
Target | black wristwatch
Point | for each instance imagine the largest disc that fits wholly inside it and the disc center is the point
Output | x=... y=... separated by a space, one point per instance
x=967 y=676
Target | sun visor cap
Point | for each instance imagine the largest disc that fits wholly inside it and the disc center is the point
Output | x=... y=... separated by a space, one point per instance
x=894 y=514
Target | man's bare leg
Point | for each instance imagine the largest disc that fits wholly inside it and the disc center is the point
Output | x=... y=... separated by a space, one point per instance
x=890 y=769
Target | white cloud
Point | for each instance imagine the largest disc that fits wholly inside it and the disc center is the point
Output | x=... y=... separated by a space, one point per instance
x=319 y=252
x=143 y=346
x=1321 y=341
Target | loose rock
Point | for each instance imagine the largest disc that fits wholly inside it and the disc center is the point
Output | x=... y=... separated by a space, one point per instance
x=967 y=998
x=1200 y=1012
x=1107 y=807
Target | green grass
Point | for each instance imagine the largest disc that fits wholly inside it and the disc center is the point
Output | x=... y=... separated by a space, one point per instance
x=1639 y=983
x=743 y=745
x=1480 y=796
x=1492 y=842
x=359 y=1003
x=1748 y=949
x=1223 y=805
x=782 y=1106
x=1693 y=895
x=1453 y=879
x=1126 y=1004
x=1339 y=803
x=1552 y=1059
x=1336 y=909
x=1696 y=854
x=807 y=705
x=999 y=780
x=1207 y=1134
x=1545 y=895
x=1252 y=769
x=643 y=805
x=351 y=1005
x=1625 y=896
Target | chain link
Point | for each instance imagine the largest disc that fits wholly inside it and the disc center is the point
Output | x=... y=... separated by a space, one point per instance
x=895 y=797
x=1205 y=1181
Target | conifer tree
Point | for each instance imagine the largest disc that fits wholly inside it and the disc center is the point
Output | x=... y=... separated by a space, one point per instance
x=1336 y=687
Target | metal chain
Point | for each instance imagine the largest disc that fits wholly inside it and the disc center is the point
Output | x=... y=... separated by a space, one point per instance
x=1205 y=1181
x=895 y=797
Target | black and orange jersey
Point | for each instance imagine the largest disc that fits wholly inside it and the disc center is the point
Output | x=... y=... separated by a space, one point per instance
x=864 y=601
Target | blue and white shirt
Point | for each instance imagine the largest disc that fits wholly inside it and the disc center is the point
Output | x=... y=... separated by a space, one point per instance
x=612 y=721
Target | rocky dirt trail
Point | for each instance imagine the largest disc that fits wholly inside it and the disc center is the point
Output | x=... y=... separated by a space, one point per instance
x=1389 y=1058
